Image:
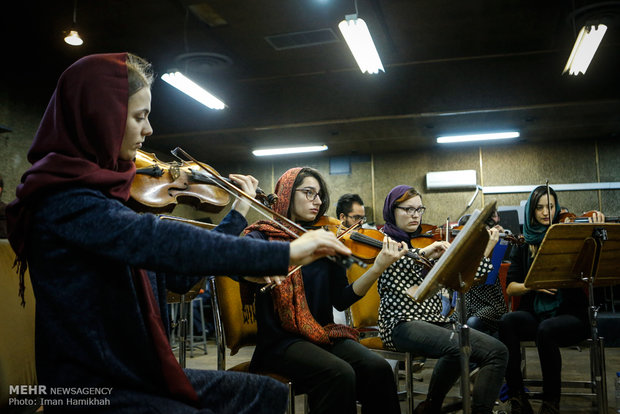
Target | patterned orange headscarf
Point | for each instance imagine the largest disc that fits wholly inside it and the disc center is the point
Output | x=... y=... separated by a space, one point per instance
x=289 y=299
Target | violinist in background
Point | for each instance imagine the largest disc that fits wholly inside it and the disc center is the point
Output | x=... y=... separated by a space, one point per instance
x=408 y=326
x=552 y=317
x=484 y=302
x=297 y=337
x=350 y=210
x=100 y=316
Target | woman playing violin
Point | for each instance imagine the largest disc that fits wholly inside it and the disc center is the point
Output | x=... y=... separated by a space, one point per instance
x=100 y=316
x=552 y=317
x=484 y=302
x=406 y=325
x=297 y=336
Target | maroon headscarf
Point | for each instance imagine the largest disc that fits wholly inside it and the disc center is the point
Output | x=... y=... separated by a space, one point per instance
x=77 y=145
x=289 y=298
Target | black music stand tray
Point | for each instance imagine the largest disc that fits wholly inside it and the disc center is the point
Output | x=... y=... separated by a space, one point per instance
x=456 y=269
x=579 y=255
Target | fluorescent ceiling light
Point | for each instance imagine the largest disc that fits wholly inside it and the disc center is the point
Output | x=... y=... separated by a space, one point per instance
x=73 y=38
x=187 y=86
x=290 y=150
x=585 y=47
x=477 y=137
x=360 y=42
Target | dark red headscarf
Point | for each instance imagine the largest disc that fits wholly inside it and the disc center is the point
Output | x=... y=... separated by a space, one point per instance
x=77 y=145
x=78 y=142
x=289 y=298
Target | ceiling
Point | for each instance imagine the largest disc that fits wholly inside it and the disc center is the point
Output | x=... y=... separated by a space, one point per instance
x=450 y=67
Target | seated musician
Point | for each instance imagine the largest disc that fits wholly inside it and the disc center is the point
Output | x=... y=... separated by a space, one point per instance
x=551 y=317
x=420 y=328
x=297 y=337
x=99 y=323
x=484 y=302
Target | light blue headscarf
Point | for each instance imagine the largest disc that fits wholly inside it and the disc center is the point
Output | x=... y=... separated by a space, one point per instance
x=535 y=233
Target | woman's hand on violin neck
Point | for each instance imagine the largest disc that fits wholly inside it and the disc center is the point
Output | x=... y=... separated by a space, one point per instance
x=248 y=184
x=314 y=245
x=435 y=250
x=597 y=217
x=493 y=239
x=391 y=252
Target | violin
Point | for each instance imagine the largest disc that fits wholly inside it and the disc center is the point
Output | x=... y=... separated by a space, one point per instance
x=430 y=234
x=568 y=217
x=367 y=243
x=274 y=216
x=513 y=239
x=159 y=186
x=330 y=224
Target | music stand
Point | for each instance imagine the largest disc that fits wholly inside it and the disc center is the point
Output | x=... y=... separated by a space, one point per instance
x=573 y=256
x=456 y=269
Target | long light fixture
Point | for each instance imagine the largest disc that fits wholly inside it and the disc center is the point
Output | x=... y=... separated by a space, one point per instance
x=477 y=137
x=188 y=87
x=73 y=38
x=289 y=150
x=360 y=42
x=587 y=42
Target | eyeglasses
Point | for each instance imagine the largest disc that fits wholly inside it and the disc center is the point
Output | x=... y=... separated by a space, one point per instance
x=310 y=193
x=358 y=218
x=410 y=211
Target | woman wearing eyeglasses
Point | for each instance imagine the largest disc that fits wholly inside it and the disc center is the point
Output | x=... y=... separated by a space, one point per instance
x=297 y=337
x=406 y=325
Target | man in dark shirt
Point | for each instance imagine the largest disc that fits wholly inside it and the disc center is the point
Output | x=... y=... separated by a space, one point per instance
x=350 y=210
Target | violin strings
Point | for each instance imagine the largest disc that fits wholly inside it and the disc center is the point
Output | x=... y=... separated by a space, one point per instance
x=233 y=193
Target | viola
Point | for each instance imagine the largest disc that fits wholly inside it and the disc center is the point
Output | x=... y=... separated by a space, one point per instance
x=159 y=186
x=568 y=217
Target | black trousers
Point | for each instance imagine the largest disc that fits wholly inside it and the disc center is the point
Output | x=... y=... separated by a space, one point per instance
x=549 y=334
x=338 y=375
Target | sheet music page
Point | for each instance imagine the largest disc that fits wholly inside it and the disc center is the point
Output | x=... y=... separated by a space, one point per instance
x=414 y=291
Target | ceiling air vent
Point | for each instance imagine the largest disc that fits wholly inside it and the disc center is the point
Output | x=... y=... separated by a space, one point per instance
x=302 y=39
x=202 y=62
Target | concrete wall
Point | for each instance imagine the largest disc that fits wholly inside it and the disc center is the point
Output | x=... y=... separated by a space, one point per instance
x=373 y=175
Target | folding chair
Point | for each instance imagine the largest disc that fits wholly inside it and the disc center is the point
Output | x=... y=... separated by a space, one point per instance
x=235 y=328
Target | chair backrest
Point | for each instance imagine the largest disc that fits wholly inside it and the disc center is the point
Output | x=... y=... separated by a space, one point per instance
x=235 y=322
x=17 y=363
x=511 y=301
x=365 y=312
x=188 y=296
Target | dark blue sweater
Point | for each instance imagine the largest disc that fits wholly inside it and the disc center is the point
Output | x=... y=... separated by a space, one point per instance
x=90 y=330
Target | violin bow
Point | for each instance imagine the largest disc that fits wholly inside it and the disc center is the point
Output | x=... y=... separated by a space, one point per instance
x=255 y=204
x=271 y=285
x=551 y=216
x=236 y=191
